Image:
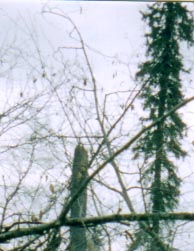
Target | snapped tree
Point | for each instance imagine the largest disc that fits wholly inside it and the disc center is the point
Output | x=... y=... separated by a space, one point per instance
x=78 y=239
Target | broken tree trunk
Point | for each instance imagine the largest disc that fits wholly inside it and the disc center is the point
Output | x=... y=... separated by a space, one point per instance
x=78 y=241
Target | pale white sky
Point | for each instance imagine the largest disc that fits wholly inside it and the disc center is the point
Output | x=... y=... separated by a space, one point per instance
x=113 y=28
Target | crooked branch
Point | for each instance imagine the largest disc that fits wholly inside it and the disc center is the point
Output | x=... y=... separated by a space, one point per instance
x=43 y=228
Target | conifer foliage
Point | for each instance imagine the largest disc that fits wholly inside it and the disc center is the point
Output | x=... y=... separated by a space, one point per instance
x=169 y=24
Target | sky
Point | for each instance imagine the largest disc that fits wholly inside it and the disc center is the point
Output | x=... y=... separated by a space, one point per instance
x=113 y=29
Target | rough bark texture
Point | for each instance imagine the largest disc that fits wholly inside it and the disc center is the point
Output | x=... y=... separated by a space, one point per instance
x=78 y=240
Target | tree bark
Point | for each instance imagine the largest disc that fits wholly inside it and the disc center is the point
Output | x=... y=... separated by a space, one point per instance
x=78 y=241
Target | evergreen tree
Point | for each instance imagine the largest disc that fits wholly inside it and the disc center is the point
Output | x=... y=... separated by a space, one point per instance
x=169 y=24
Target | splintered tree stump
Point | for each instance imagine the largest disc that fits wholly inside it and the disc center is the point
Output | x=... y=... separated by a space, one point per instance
x=78 y=240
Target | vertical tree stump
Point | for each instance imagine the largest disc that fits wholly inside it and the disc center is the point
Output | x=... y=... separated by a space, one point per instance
x=78 y=241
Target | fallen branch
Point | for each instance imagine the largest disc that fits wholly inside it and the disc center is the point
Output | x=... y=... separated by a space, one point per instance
x=43 y=228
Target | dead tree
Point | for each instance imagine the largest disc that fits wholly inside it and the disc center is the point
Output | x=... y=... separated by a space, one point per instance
x=78 y=241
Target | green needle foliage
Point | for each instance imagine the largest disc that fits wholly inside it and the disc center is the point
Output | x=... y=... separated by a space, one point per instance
x=169 y=24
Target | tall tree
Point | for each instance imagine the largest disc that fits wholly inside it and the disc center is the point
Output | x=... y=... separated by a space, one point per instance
x=169 y=24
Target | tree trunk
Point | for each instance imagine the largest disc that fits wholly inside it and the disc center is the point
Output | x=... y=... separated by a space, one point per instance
x=78 y=241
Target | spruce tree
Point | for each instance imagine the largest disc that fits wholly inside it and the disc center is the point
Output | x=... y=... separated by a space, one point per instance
x=169 y=24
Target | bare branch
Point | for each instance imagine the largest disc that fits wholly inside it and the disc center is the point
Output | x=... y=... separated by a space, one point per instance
x=68 y=205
